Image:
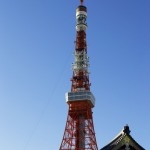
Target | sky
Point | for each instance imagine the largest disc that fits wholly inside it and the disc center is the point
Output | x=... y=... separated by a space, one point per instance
x=36 y=52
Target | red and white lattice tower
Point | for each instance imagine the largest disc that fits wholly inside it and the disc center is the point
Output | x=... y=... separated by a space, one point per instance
x=79 y=132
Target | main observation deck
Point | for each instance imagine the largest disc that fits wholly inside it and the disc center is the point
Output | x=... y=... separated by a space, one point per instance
x=80 y=96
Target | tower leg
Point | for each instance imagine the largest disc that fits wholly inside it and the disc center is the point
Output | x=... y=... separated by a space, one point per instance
x=80 y=124
x=79 y=132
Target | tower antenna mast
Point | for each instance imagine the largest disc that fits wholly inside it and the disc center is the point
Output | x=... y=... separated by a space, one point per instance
x=79 y=132
x=81 y=2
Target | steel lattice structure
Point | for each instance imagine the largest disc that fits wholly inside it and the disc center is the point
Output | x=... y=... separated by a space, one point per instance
x=79 y=132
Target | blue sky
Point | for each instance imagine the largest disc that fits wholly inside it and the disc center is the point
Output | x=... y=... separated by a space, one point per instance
x=37 y=43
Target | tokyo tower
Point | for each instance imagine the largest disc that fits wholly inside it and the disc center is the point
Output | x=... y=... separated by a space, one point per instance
x=79 y=132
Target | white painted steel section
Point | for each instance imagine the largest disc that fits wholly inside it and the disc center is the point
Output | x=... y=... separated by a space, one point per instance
x=81 y=20
x=81 y=62
x=81 y=27
x=80 y=96
x=81 y=13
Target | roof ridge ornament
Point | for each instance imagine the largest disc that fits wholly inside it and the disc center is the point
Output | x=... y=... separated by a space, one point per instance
x=126 y=129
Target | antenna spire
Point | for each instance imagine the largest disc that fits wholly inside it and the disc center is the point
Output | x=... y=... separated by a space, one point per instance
x=81 y=2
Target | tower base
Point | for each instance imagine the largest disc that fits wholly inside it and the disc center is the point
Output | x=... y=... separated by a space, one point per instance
x=79 y=132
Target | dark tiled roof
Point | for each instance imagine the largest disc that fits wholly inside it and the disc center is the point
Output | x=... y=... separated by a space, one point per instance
x=119 y=137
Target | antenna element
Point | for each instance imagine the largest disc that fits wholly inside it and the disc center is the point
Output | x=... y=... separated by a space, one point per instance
x=81 y=2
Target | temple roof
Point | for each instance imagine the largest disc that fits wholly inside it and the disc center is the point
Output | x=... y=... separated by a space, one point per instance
x=123 y=141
